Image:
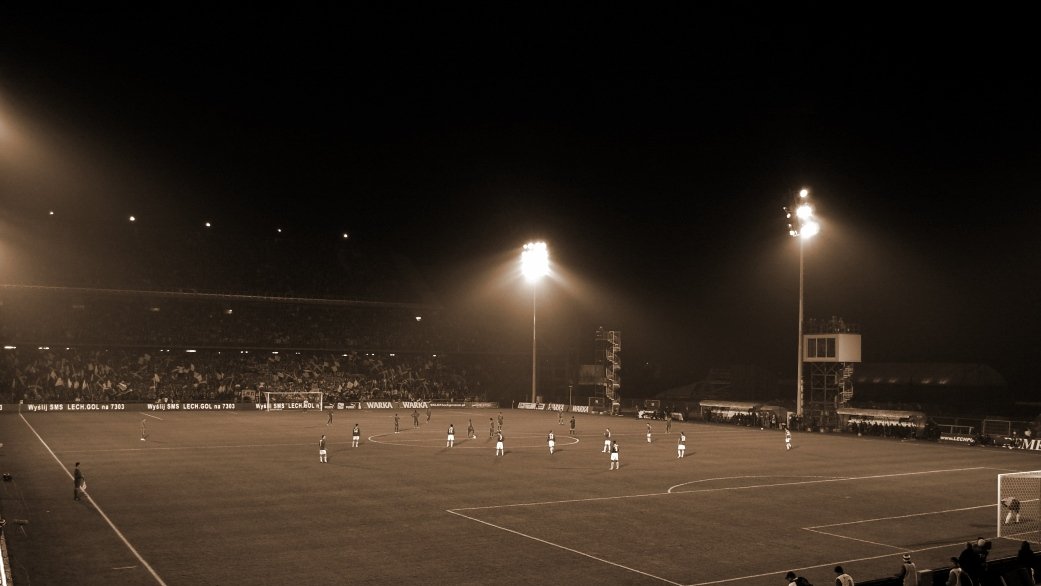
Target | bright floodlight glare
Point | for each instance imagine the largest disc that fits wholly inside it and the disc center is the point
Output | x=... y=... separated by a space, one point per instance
x=804 y=193
x=535 y=260
x=809 y=229
x=133 y=219
x=804 y=211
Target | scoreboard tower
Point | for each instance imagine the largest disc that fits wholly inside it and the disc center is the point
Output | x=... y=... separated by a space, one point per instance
x=831 y=350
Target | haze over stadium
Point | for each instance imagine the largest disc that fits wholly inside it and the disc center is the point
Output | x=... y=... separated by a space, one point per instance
x=334 y=200
x=655 y=165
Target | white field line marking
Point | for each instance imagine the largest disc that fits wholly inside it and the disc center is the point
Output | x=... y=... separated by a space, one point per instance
x=825 y=565
x=816 y=528
x=96 y=506
x=574 y=551
x=838 y=479
x=669 y=492
x=740 y=477
x=721 y=489
x=152 y=416
x=901 y=516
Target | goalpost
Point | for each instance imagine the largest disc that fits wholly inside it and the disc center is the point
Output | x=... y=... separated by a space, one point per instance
x=292 y=400
x=1019 y=505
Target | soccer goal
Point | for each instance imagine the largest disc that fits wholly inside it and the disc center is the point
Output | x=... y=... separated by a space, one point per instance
x=1019 y=499
x=292 y=400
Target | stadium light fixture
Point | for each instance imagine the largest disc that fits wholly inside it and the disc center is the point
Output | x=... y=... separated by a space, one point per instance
x=802 y=226
x=534 y=266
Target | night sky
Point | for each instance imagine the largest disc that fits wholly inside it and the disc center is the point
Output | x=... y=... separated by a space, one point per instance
x=653 y=151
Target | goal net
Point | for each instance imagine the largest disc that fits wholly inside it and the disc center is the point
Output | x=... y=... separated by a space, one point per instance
x=1019 y=499
x=292 y=400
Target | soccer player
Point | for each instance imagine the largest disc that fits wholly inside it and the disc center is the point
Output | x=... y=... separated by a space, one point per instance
x=787 y=439
x=355 y=436
x=648 y=433
x=395 y=423
x=144 y=430
x=329 y=421
x=470 y=432
x=607 y=439
x=560 y=417
x=415 y=419
x=500 y=420
x=79 y=483
x=491 y=427
x=681 y=448
x=499 y=451
x=572 y=430
x=552 y=441
x=451 y=436
x=668 y=423
x=614 y=456
x=321 y=451
x=1012 y=504
x=428 y=412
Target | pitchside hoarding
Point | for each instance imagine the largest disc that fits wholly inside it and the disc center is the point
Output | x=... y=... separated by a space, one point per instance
x=219 y=406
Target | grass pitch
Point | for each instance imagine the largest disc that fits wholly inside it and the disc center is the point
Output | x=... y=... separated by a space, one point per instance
x=241 y=498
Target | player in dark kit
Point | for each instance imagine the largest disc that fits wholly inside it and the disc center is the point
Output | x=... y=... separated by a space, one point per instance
x=79 y=483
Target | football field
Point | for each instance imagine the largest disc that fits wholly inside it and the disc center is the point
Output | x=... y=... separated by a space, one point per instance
x=240 y=497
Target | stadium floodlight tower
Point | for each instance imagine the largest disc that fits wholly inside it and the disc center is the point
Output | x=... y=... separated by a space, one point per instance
x=534 y=266
x=801 y=225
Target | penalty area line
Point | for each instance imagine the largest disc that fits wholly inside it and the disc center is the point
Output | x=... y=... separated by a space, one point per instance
x=565 y=548
x=96 y=506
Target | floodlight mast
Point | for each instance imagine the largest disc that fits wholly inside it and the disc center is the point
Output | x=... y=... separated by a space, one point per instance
x=534 y=266
x=803 y=226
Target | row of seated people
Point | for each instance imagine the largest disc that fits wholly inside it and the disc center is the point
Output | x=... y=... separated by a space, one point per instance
x=896 y=429
x=767 y=419
x=763 y=419
x=134 y=374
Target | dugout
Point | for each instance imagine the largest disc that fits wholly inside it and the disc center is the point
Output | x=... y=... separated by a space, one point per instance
x=772 y=415
x=727 y=411
x=852 y=417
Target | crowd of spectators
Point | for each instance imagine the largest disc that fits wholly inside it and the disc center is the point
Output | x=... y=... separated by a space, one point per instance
x=155 y=375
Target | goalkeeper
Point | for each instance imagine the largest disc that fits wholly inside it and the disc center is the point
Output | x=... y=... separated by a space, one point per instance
x=1012 y=505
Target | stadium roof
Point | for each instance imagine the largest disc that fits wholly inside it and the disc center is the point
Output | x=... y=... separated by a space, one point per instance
x=952 y=374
